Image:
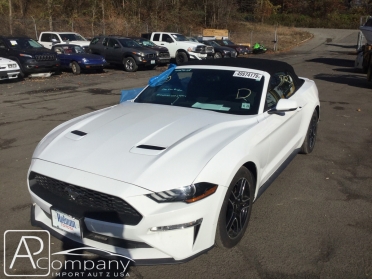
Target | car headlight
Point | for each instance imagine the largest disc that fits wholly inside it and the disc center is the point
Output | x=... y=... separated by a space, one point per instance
x=191 y=49
x=138 y=53
x=157 y=53
x=85 y=60
x=25 y=55
x=11 y=66
x=188 y=194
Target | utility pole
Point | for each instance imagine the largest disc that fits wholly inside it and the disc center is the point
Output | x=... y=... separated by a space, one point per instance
x=10 y=18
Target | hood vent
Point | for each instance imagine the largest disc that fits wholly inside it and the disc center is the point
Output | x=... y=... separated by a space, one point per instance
x=151 y=147
x=79 y=133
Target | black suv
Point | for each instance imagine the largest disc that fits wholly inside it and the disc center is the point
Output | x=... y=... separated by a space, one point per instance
x=122 y=50
x=31 y=56
x=163 y=53
x=221 y=51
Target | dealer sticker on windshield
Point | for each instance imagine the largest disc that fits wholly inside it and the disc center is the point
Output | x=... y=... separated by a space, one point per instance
x=248 y=75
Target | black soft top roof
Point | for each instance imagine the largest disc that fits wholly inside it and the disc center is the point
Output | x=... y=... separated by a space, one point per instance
x=266 y=65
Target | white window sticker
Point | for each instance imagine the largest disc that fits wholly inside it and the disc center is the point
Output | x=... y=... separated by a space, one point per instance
x=14 y=43
x=246 y=105
x=248 y=75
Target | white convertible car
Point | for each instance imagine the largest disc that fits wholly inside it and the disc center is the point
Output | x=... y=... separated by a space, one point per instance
x=173 y=172
x=9 y=69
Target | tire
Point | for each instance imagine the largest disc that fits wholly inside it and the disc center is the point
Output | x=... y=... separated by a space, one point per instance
x=217 y=55
x=369 y=71
x=181 y=58
x=76 y=70
x=366 y=62
x=230 y=228
x=129 y=64
x=310 y=139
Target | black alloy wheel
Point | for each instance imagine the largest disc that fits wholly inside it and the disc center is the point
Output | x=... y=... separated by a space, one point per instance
x=310 y=139
x=236 y=210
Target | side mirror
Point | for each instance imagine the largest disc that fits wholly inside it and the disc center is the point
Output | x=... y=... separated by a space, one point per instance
x=116 y=46
x=284 y=105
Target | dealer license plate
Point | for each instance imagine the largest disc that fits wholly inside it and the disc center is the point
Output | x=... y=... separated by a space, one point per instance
x=66 y=222
x=152 y=61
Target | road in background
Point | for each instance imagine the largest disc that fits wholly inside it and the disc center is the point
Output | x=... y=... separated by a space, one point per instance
x=315 y=221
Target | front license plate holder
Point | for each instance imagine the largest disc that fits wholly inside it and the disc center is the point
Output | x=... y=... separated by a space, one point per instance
x=66 y=222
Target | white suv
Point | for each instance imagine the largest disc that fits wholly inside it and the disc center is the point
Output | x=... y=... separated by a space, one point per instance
x=9 y=69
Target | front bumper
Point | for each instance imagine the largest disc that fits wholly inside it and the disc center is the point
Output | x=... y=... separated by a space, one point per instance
x=30 y=67
x=9 y=74
x=147 y=61
x=135 y=241
x=198 y=56
x=93 y=65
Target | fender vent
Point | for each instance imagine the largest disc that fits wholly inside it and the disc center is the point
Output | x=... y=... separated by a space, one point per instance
x=151 y=147
x=79 y=133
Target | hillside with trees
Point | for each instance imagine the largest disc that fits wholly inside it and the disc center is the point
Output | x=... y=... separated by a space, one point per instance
x=130 y=17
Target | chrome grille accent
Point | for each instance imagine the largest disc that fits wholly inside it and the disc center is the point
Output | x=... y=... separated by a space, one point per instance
x=200 y=49
x=151 y=55
x=45 y=57
x=164 y=55
x=209 y=49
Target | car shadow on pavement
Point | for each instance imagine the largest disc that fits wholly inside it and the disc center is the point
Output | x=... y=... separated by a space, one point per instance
x=349 y=79
x=343 y=46
x=333 y=62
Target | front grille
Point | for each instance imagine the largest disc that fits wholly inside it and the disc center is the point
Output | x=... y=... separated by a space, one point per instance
x=200 y=49
x=151 y=55
x=45 y=57
x=164 y=55
x=209 y=49
x=82 y=202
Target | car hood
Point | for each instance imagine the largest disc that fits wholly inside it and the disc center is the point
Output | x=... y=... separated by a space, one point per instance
x=158 y=48
x=6 y=61
x=156 y=147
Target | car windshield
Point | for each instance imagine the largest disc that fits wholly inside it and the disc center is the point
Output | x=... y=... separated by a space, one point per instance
x=227 y=43
x=225 y=91
x=72 y=37
x=179 y=37
x=22 y=43
x=128 y=43
x=145 y=43
x=73 y=49
x=211 y=43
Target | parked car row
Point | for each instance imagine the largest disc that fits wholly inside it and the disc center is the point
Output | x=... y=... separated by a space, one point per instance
x=56 y=51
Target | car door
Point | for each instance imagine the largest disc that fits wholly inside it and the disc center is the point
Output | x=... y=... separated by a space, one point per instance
x=167 y=41
x=282 y=129
x=46 y=40
x=113 y=50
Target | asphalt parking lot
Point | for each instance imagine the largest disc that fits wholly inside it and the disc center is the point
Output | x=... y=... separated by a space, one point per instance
x=315 y=221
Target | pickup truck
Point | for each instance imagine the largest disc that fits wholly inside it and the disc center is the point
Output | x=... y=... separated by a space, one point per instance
x=180 y=48
x=49 y=39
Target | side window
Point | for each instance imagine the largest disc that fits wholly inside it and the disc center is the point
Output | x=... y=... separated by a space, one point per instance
x=2 y=44
x=282 y=84
x=112 y=42
x=46 y=37
x=156 y=37
x=94 y=41
x=104 y=42
x=166 y=38
x=55 y=37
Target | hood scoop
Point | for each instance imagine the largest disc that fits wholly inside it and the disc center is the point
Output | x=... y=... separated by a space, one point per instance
x=145 y=149
x=76 y=135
